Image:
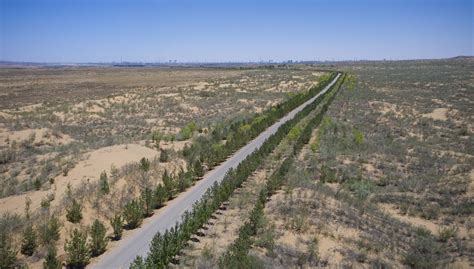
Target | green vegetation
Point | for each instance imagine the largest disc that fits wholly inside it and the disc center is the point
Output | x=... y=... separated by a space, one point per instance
x=104 y=183
x=133 y=214
x=51 y=261
x=117 y=225
x=98 y=242
x=29 y=241
x=74 y=212
x=77 y=251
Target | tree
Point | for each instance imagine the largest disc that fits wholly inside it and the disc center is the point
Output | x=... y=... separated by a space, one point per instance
x=133 y=214
x=98 y=241
x=148 y=201
x=51 y=260
x=104 y=183
x=198 y=169
x=169 y=184
x=74 y=212
x=160 y=196
x=77 y=251
x=49 y=231
x=117 y=225
x=144 y=164
x=29 y=241
x=164 y=156
x=7 y=252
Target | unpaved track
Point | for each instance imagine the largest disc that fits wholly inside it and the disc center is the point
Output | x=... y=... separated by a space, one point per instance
x=138 y=243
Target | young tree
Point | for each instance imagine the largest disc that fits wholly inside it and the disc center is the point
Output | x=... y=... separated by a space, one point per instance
x=7 y=252
x=98 y=241
x=29 y=241
x=198 y=169
x=77 y=251
x=133 y=214
x=104 y=183
x=117 y=225
x=51 y=260
x=148 y=201
x=164 y=156
x=169 y=185
x=74 y=212
x=160 y=196
x=144 y=164
x=49 y=231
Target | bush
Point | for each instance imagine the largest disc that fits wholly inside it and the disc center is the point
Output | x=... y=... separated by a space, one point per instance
x=445 y=233
x=144 y=164
x=51 y=260
x=7 y=252
x=164 y=156
x=148 y=201
x=29 y=241
x=358 y=137
x=198 y=169
x=49 y=231
x=117 y=225
x=160 y=196
x=104 y=183
x=77 y=251
x=133 y=214
x=327 y=174
x=74 y=212
x=98 y=242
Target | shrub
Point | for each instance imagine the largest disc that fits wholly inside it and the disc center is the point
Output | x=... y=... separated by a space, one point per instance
x=29 y=241
x=445 y=233
x=74 y=212
x=164 y=156
x=7 y=252
x=104 y=183
x=98 y=242
x=327 y=174
x=358 y=137
x=148 y=201
x=160 y=196
x=144 y=164
x=77 y=251
x=49 y=231
x=294 y=133
x=133 y=214
x=198 y=169
x=117 y=225
x=51 y=260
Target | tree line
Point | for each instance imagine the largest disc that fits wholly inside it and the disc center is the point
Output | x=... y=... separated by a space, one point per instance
x=166 y=246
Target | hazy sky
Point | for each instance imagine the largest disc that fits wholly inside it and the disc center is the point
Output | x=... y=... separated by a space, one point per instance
x=227 y=30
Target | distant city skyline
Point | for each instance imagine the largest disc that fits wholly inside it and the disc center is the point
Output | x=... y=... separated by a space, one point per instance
x=73 y=31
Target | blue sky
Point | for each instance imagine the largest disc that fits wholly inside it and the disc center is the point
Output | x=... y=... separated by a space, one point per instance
x=231 y=30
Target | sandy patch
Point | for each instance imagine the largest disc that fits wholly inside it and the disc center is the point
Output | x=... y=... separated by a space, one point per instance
x=88 y=169
x=416 y=221
x=438 y=114
x=35 y=136
x=200 y=85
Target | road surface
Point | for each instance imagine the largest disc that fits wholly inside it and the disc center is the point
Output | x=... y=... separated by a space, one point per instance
x=138 y=243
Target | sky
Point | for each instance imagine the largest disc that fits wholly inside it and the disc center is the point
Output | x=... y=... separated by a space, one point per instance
x=66 y=31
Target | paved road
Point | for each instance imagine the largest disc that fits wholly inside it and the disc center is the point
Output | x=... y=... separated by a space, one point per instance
x=138 y=243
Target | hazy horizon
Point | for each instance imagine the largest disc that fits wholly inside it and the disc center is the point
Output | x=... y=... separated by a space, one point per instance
x=73 y=31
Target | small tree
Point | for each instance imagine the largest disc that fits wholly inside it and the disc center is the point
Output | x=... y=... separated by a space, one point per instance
x=198 y=169
x=117 y=225
x=148 y=201
x=104 y=183
x=160 y=196
x=164 y=156
x=77 y=251
x=29 y=241
x=74 y=212
x=49 y=231
x=51 y=261
x=133 y=214
x=98 y=241
x=144 y=164
x=7 y=252
x=169 y=184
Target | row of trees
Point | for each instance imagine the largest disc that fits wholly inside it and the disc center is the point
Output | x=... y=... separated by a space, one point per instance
x=166 y=246
x=236 y=256
x=210 y=149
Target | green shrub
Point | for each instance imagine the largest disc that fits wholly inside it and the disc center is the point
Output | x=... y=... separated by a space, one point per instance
x=133 y=214
x=198 y=169
x=98 y=241
x=445 y=233
x=29 y=241
x=51 y=260
x=49 y=231
x=104 y=183
x=358 y=137
x=144 y=164
x=164 y=156
x=77 y=251
x=74 y=212
x=117 y=225
x=7 y=251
